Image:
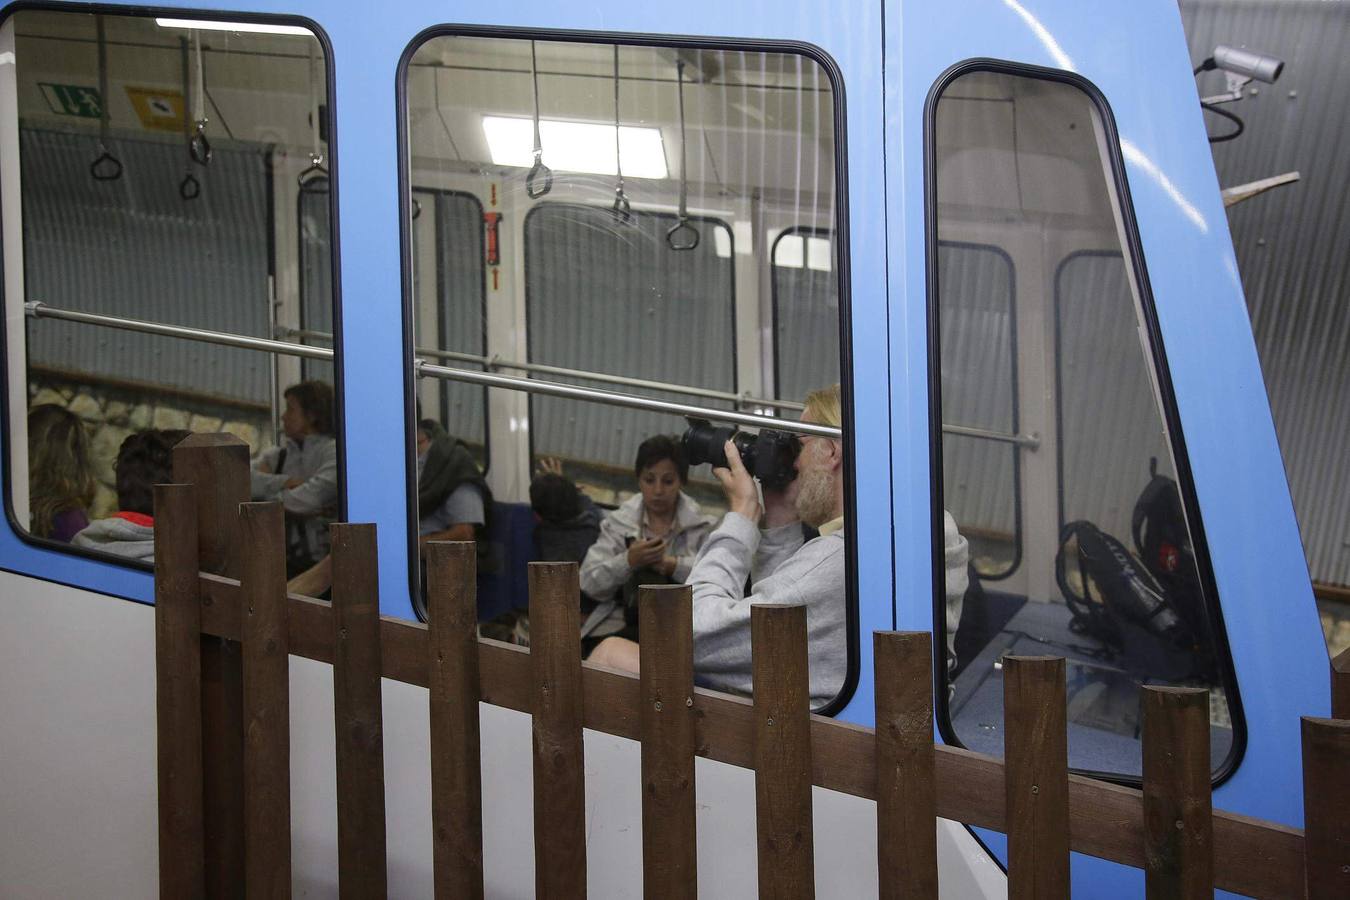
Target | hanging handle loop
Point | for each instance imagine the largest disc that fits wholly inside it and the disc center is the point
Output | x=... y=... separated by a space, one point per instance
x=682 y=235
x=105 y=167
x=315 y=177
x=623 y=210
x=540 y=179
x=189 y=188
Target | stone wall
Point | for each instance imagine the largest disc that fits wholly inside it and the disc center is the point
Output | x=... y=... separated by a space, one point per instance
x=111 y=413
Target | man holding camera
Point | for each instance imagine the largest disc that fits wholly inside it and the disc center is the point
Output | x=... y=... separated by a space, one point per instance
x=782 y=567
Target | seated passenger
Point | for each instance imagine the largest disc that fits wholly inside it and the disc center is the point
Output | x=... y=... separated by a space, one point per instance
x=652 y=538
x=452 y=504
x=60 y=475
x=568 y=522
x=302 y=473
x=452 y=497
x=783 y=567
x=144 y=460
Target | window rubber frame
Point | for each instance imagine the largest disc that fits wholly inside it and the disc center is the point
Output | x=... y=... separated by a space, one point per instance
x=1132 y=251
x=841 y=260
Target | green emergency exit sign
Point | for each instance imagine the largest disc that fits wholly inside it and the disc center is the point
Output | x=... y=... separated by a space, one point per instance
x=77 y=100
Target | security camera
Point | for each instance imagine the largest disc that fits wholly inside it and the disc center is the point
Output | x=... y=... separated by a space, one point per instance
x=1239 y=67
x=1248 y=64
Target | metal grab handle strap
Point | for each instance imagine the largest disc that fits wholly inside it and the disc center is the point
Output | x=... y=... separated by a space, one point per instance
x=534 y=188
x=623 y=210
x=189 y=188
x=315 y=177
x=682 y=235
x=198 y=146
x=106 y=167
x=38 y=310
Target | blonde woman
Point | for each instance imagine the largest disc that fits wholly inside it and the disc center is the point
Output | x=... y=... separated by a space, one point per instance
x=60 y=476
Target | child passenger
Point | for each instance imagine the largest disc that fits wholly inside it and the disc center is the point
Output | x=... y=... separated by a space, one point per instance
x=651 y=539
x=144 y=460
x=60 y=475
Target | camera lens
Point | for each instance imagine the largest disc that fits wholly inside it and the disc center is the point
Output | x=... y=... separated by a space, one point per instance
x=705 y=442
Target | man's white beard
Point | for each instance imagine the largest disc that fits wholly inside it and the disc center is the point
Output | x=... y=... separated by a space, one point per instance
x=815 y=496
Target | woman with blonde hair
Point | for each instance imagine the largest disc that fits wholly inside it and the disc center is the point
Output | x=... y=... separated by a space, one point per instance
x=60 y=476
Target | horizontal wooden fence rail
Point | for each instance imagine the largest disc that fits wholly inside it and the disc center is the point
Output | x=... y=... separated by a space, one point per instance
x=1252 y=856
x=244 y=617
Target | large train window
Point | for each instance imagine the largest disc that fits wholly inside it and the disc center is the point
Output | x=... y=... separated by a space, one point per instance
x=636 y=202
x=155 y=286
x=1058 y=437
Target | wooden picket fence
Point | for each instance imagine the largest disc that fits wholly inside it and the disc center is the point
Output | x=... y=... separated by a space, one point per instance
x=225 y=629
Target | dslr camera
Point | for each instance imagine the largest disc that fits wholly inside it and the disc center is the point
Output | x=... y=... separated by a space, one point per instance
x=770 y=456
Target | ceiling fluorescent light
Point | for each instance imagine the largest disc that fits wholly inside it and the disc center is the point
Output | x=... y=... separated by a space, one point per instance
x=246 y=27
x=576 y=146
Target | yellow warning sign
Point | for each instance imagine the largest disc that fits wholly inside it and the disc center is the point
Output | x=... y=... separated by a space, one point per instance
x=159 y=110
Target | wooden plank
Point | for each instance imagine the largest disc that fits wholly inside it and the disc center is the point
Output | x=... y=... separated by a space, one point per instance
x=178 y=693
x=1340 y=686
x=1326 y=798
x=782 y=707
x=1178 y=835
x=559 y=764
x=669 y=844
x=357 y=711
x=906 y=790
x=1252 y=857
x=456 y=769
x=217 y=464
x=267 y=723
x=1036 y=754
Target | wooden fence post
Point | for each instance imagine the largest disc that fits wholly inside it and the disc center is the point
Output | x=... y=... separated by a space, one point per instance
x=178 y=693
x=1340 y=685
x=782 y=750
x=1036 y=757
x=906 y=788
x=1326 y=797
x=267 y=721
x=1178 y=823
x=669 y=845
x=456 y=770
x=217 y=466
x=559 y=764
x=358 y=713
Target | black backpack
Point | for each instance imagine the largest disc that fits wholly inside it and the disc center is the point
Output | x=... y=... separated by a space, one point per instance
x=1147 y=610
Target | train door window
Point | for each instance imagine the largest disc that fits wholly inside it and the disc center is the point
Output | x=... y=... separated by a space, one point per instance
x=982 y=446
x=631 y=194
x=449 y=308
x=159 y=164
x=1055 y=423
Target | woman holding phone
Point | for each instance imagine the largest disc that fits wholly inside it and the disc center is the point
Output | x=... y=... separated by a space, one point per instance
x=651 y=539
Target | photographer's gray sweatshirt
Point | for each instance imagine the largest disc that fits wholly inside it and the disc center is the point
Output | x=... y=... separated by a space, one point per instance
x=785 y=570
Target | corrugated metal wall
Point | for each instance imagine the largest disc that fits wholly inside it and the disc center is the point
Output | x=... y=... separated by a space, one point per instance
x=806 y=325
x=977 y=321
x=459 y=272
x=615 y=298
x=316 y=276
x=1291 y=243
x=1109 y=422
x=134 y=248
